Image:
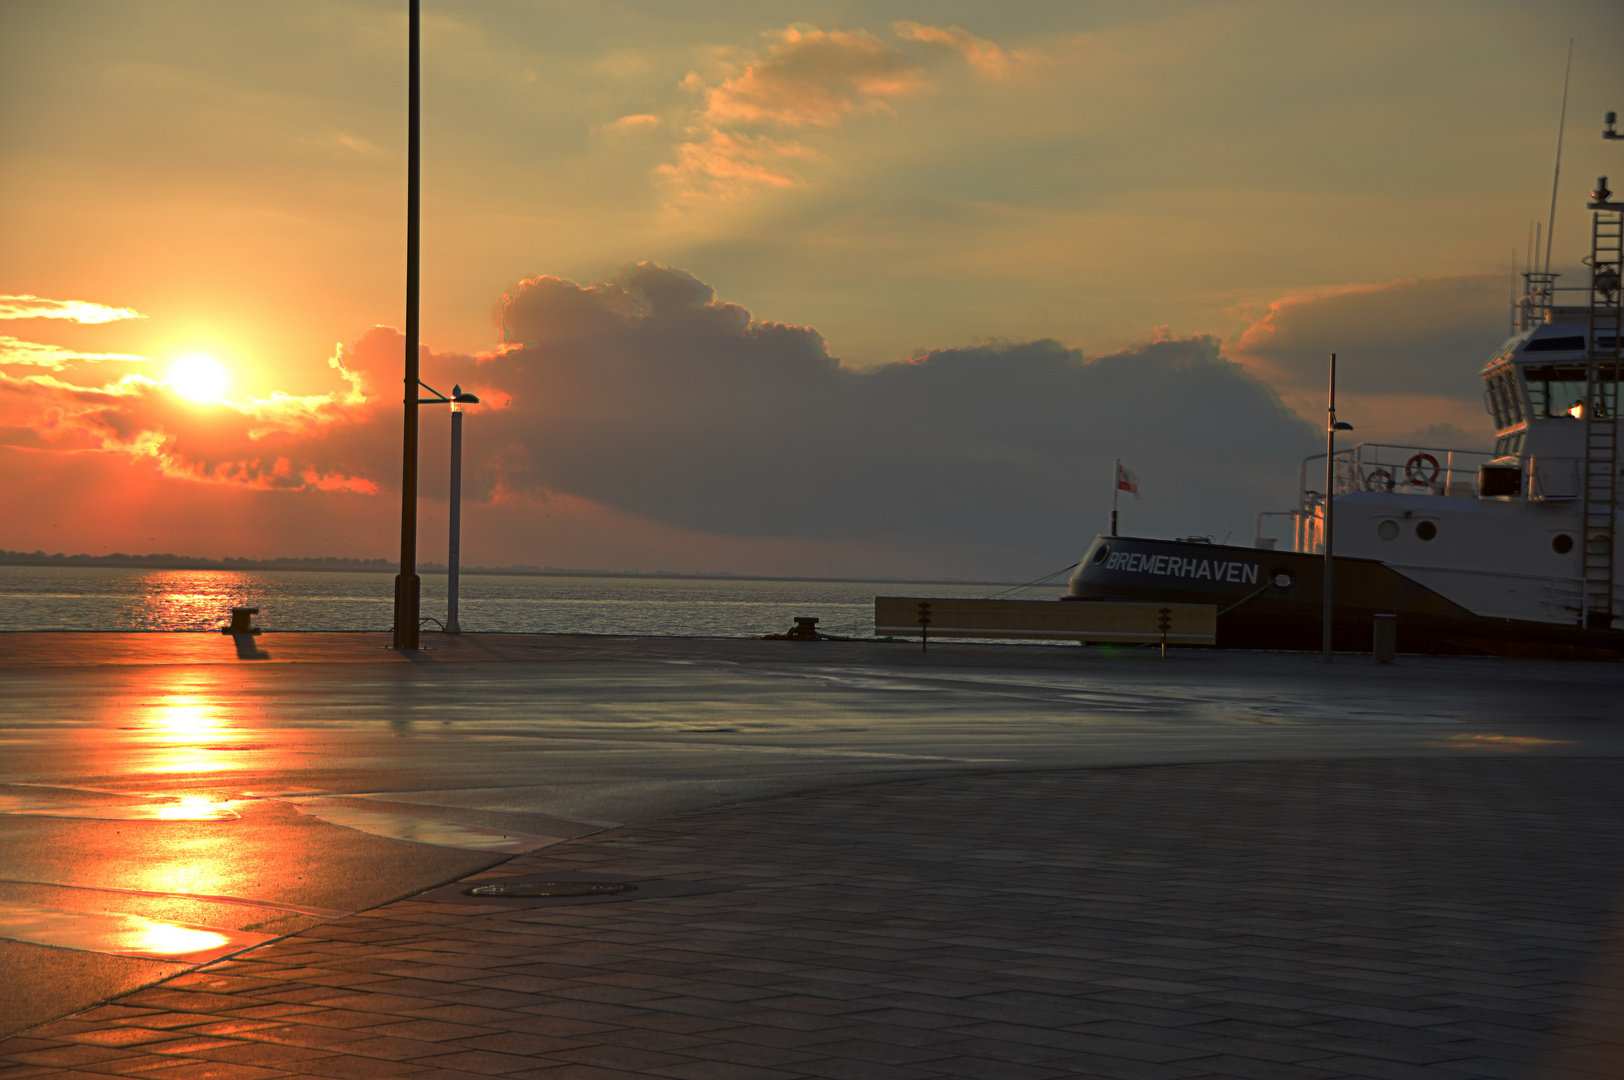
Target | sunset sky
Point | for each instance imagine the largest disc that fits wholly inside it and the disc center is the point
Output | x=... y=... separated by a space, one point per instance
x=822 y=288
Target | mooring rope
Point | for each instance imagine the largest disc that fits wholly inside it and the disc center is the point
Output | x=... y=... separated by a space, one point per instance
x=1261 y=589
x=1034 y=581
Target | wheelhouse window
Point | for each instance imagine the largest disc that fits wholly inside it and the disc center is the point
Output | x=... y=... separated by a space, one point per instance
x=1557 y=391
x=1503 y=397
x=1576 y=343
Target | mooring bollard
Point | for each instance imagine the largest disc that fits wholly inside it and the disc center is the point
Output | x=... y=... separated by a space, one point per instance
x=242 y=631
x=1384 y=638
x=242 y=621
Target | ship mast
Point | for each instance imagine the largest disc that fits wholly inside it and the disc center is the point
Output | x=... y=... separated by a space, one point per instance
x=1602 y=369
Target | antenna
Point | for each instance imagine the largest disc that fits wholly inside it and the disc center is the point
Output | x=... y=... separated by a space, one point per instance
x=1511 y=316
x=1557 y=177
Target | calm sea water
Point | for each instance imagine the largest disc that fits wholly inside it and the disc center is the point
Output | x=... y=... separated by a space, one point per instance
x=103 y=598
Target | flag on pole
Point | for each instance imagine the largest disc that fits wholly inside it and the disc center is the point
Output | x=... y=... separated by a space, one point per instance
x=1127 y=480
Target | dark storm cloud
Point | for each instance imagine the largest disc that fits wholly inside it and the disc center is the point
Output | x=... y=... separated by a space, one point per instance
x=648 y=395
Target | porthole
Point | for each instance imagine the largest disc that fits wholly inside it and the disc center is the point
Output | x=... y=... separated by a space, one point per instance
x=1426 y=530
x=1387 y=530
x=1561 y=543
x=1280 y=579
x=1101 y=552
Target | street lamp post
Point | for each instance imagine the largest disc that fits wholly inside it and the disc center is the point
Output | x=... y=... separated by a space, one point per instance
x=454 y=548
x=1332 y=426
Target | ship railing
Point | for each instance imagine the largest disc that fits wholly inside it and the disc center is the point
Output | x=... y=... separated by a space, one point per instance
x=1500 y=595
x=1416 y=470
x=1541 y=296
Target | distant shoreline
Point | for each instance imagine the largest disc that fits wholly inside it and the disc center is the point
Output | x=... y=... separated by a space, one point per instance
x=118 y=561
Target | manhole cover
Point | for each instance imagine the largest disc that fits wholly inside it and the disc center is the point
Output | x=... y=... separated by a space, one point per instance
x=550 y=888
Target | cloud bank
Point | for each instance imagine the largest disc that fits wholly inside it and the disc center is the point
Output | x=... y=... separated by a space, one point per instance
x=647 y=402
x=649 y=395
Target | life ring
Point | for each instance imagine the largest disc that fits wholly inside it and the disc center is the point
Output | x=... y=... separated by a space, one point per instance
x=1379 y=480
x=1412 y=470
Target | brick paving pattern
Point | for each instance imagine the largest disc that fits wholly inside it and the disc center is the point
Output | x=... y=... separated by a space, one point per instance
x=1360 y=918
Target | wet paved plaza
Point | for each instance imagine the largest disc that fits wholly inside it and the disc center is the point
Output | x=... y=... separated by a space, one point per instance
x=848 y=860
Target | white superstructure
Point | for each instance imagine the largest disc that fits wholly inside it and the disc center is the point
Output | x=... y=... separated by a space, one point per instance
x=1528 y=531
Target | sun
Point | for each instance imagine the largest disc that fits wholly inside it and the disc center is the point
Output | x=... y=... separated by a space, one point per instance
x=200 y=378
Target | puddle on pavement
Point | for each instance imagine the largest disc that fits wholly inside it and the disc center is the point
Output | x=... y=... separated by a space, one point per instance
x=183 y=808
x=28 y=894
x=427 y=831
x=1502 y=743
x=122 y=935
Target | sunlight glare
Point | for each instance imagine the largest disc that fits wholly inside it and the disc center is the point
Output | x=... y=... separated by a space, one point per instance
x=167 y=939
x=199 y=378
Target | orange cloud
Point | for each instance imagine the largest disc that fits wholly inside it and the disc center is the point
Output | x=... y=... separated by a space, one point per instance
x=979 y=53
x=813 y=77
x=26 y=306
x=37 y=354
x=809 y=78
x=634 y=122
x=728 y=164
x=281 y=442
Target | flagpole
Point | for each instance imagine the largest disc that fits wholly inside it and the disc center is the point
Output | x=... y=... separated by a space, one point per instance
x=1116 y=488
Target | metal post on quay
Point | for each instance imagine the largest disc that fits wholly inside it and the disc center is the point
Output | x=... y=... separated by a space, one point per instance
x=454 y=546
x=456 y=400
x=1332 y=426
x=408 y=585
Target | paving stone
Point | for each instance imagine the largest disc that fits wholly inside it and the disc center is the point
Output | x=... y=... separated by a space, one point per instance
x=1303 y=920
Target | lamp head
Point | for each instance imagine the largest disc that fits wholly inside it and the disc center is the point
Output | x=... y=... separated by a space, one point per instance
x=460 y=398
x=1341 y=425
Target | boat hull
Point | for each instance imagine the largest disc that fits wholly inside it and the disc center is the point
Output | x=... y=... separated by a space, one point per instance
x=1273 y=600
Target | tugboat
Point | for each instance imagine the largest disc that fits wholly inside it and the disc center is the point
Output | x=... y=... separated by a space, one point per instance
x=1506 y=553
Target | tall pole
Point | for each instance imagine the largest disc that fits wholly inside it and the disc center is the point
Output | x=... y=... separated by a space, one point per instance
x=1330 y=474
x=454 y=548
x=408 y=587
x=1556 y=174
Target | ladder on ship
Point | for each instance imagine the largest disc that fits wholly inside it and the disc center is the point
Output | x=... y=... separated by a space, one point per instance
x=1601 y=464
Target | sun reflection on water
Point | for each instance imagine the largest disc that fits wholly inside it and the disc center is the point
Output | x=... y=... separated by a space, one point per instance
x=194 y=808
x=167 y=939
x=193 y=599
x=178 y=724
